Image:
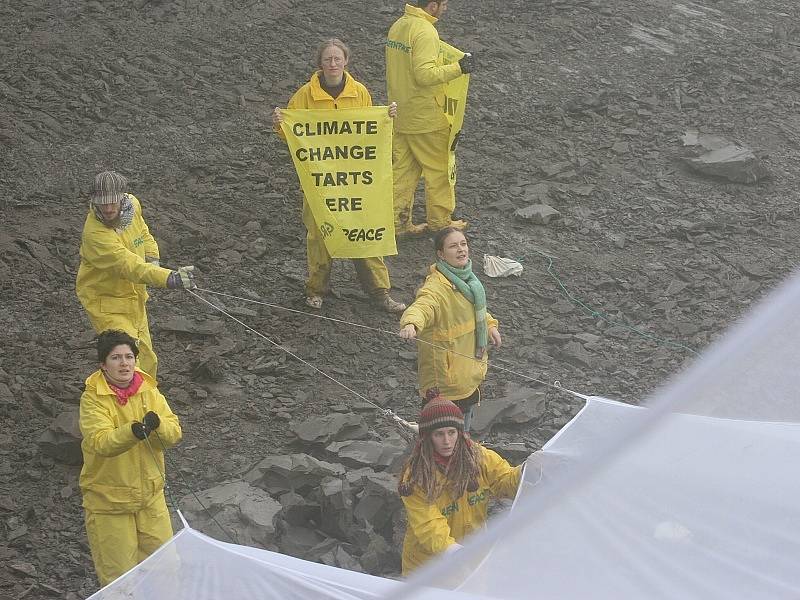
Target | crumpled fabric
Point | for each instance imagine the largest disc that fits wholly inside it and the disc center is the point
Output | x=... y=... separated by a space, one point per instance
x=496 y=266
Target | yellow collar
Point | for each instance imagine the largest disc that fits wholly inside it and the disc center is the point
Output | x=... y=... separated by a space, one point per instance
x=415 y=11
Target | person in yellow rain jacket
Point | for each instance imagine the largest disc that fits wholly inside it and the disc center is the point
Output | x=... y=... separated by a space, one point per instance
x=119 y=258
x=446 y=484
x=332 y=86
x=126 y=424
x=449 y=316
x=415 y=78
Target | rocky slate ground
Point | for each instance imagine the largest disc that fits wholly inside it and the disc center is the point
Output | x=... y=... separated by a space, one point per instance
x=579 y=105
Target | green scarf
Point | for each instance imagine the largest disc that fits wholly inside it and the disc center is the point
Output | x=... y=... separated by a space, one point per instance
x=468 y=284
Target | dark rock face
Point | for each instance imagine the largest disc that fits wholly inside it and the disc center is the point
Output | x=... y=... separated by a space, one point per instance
x=579 y=106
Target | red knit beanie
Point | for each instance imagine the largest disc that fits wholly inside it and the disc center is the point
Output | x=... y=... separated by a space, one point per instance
x=438 y=413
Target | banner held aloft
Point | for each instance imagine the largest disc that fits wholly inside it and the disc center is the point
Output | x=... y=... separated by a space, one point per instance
x=343 y=159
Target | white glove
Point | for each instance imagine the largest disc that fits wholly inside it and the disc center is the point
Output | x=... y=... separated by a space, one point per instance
x=453 y=548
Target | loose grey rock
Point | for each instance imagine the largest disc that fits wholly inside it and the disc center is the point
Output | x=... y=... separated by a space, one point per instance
x=519 y=405
x=186 y=325
x=334 y=427
x=540 y=214
x=297 y=510
x=367 y=453
x=378 y=500
x=336 y=507
x=62 y=439
x=732 y=162
x=245 y=512
x=380 y=557
x=299 y=541
x=293 y=472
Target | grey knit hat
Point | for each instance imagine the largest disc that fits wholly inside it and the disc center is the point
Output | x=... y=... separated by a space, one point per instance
x=109 y=187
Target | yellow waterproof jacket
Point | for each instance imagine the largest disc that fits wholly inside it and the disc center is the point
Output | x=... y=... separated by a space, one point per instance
x=119 y=473
x=443 y=316
x=432 y=527
x=311 y=95
x=113 y=273
x=415 y=75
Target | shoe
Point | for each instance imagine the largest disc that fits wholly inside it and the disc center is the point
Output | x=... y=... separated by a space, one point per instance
x=314 y=301
x=388 y=304
x=411 y=229
x=457 y=224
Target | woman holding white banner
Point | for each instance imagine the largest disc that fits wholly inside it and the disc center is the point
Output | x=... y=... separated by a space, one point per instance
x=332 y=87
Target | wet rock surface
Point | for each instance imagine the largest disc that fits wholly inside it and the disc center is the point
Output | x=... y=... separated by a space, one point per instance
x=576 y=105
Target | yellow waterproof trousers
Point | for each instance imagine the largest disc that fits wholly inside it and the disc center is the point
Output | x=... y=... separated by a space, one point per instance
x=371 y=272
x=119 y=542
x=422 y=154
x=132 y=321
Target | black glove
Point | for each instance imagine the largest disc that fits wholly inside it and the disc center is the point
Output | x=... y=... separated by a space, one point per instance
x=467 y=63
x=139 y=430
x=183 y=278
x=151 y=421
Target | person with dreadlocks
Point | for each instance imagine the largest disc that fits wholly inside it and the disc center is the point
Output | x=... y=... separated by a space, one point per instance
x=119 y=259
x=126 y=425
x=446 y=483
x=449 y=315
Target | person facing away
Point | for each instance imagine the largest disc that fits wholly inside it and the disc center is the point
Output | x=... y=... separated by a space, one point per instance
x=119 y=259
x=446 y=484
x=449 y=315
x=415 y=78
x=333 y=87
x=126 y=425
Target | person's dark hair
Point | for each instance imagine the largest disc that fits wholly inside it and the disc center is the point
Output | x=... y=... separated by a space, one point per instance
x=110 y=339
x=332 y=42
x=424 y=3
x=441 y=236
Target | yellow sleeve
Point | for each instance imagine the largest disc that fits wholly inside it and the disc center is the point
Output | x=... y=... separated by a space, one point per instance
x=150 y=244
x=491 y=321
x=429 y=526
x=169 y=431
x=103 y=249
x=502 y=477
x=99 y=434
x=422 y=312
x=366 y=98
x=298 y=100
x=424 y=66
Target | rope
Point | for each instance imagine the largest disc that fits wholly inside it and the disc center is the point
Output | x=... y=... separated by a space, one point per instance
x=171 y=499
x=384 y=331
x=396 y=419
x=600 y=315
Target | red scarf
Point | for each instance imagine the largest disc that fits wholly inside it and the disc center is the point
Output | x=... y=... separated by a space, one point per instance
x=440 y=460
x=123 y=394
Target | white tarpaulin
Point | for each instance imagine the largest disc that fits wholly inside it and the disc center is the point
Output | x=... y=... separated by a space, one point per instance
x=695 y=496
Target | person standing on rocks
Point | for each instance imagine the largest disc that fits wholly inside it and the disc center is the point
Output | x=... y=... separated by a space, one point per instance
x=449 y=313
x=333 y=87
x=415 y=78
x=119 y=259
x=446 y=484
x=126 y=424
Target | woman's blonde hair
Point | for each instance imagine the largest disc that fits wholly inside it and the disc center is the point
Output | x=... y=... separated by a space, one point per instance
x=460 y=475
x=336 y=42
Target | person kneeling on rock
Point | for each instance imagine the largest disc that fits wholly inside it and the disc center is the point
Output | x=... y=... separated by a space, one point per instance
x=126 y=424
x=446 y=484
